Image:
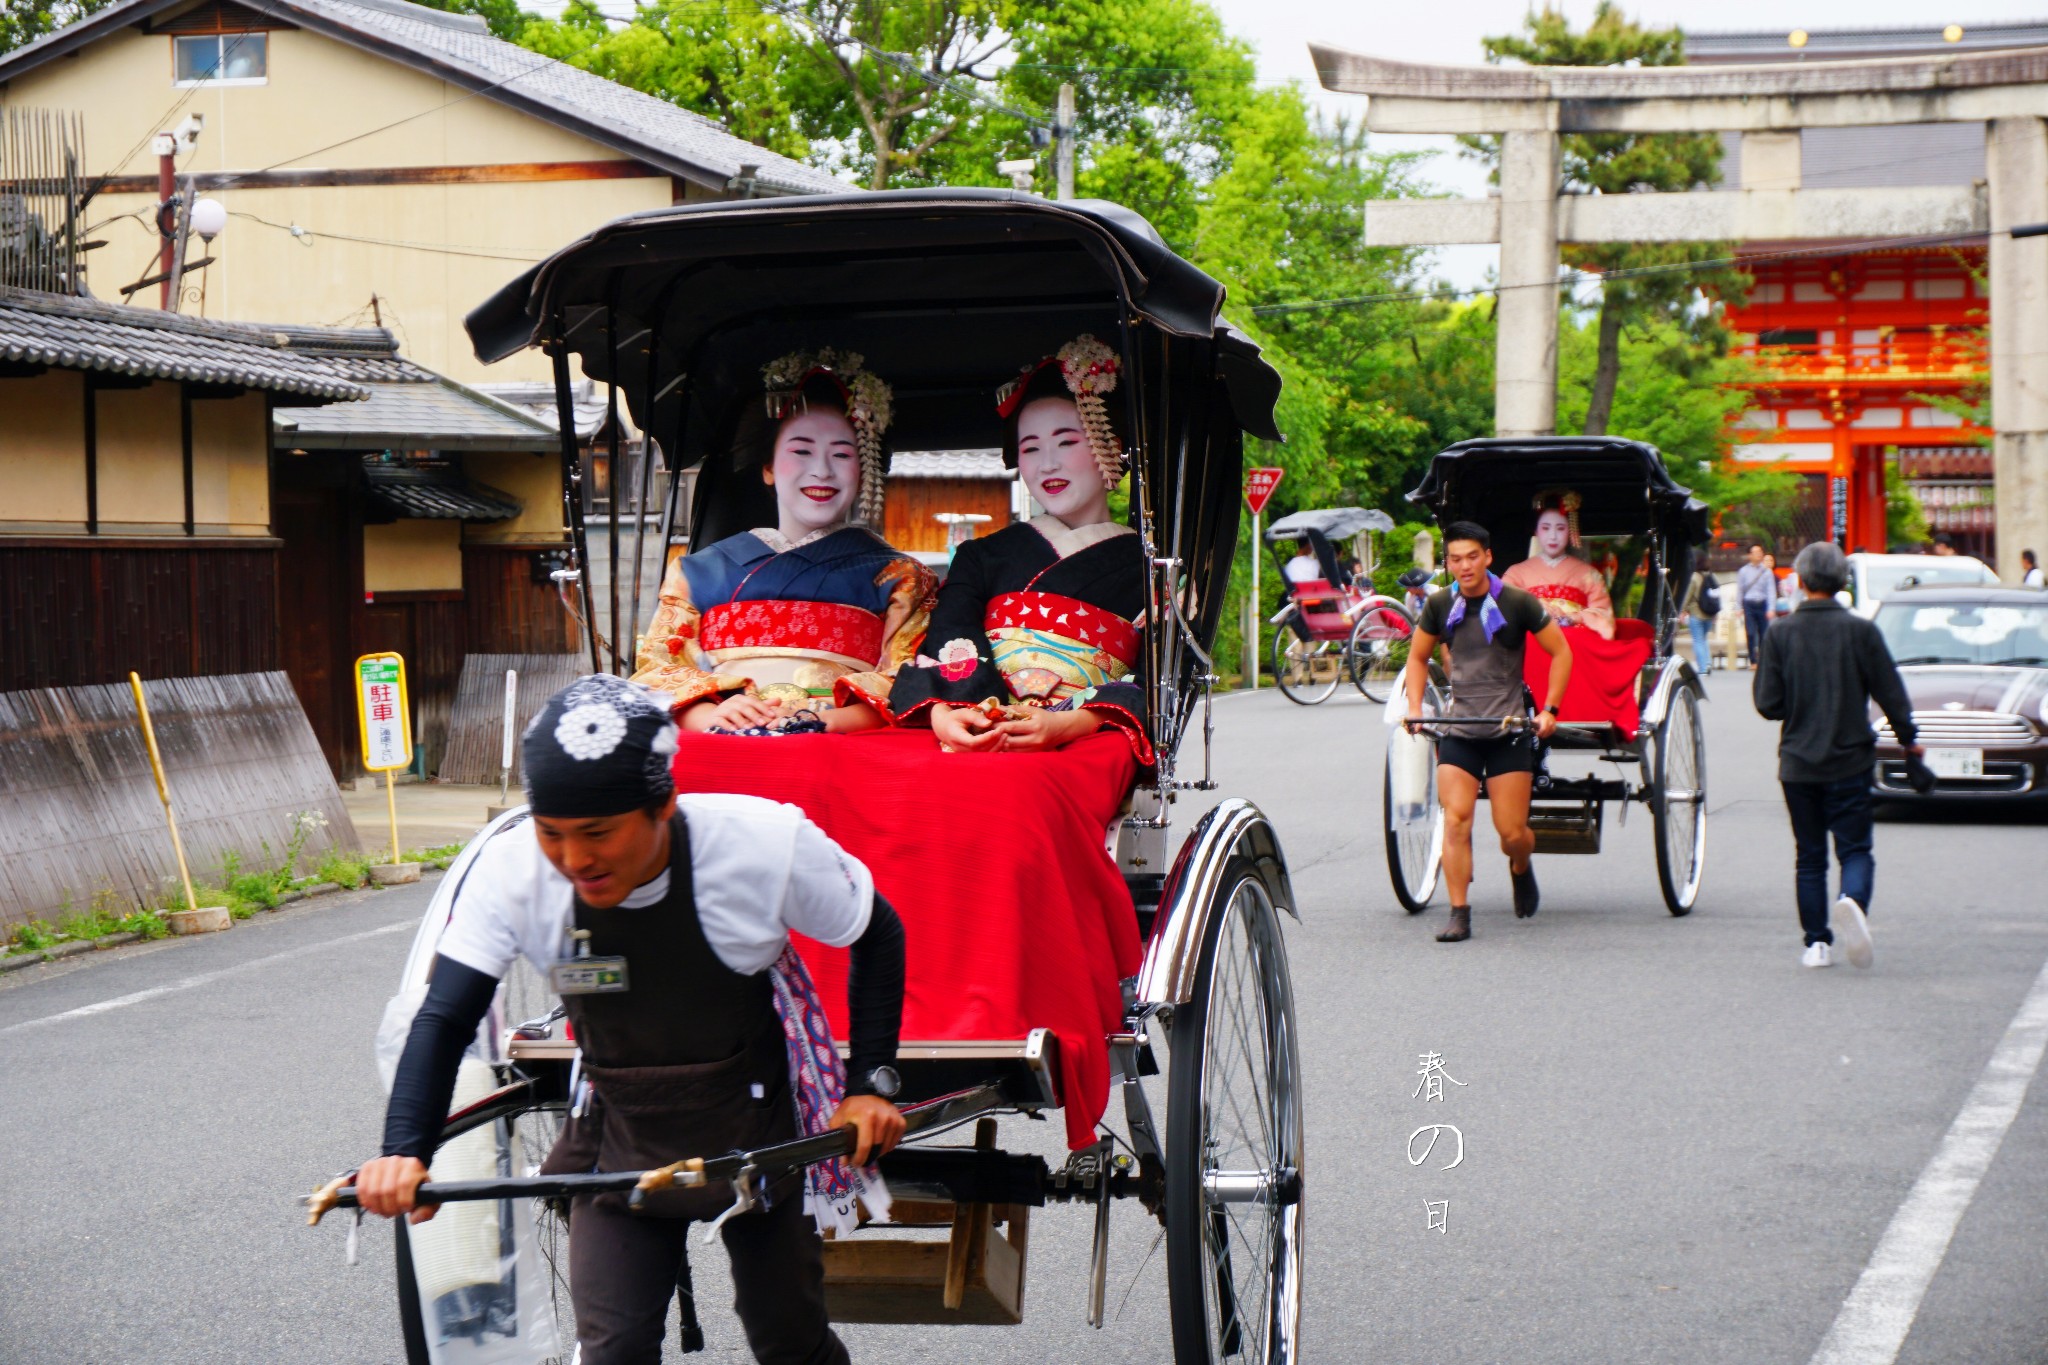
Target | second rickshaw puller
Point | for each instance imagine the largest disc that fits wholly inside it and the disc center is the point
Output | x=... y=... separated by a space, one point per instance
x=664 y=924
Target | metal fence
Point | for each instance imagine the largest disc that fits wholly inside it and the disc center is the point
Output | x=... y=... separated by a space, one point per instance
x=41 y=186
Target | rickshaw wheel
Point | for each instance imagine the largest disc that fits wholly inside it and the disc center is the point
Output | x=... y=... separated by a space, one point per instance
x=1234 y=1142
x=1679 y=802
x=1377 y=652
x=1415 y=837
x=1298 y=665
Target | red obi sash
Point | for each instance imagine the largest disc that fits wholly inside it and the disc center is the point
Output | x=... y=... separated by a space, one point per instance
x=1561 y=592
x=826 y=627
x=1067 y=617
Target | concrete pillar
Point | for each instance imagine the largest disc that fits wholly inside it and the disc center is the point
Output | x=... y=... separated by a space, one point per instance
x=2016 y=167
x=1525 y=358
x=1770 y=161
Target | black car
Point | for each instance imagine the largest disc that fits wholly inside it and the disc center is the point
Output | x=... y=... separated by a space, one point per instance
x=1975 y=663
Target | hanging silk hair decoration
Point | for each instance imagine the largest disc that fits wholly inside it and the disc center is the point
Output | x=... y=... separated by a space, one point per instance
x=1090 y=369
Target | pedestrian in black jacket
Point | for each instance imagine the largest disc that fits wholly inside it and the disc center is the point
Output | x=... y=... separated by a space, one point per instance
x=1821 y=667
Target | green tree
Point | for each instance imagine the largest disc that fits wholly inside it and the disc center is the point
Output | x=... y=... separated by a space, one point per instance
x=24 y=21
x=1640 y=282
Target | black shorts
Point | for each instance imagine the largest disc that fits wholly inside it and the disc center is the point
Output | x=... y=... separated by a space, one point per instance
x=1488 y=757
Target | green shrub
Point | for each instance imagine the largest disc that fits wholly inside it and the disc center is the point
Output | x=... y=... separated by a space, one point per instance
x=343 y=870
x=34 y=936
x=146 y=923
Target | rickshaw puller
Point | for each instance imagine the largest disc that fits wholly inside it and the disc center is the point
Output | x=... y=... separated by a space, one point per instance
x=1487 y=625
x=664 y=925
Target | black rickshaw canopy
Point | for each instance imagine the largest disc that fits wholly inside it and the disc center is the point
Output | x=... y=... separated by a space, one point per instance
x=946 y=293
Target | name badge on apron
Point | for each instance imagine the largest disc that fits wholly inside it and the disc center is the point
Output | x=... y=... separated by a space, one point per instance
x=589 y=976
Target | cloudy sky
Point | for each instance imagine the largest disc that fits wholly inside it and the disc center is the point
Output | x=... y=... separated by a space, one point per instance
x=1449 y=31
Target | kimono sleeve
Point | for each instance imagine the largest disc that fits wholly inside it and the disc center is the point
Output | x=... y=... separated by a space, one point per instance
x=1122 y=705
x=912 y=594
x=665 y=661
x=955 y=667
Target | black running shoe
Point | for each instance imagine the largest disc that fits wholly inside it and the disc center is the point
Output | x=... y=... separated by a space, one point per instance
x=1526 y=896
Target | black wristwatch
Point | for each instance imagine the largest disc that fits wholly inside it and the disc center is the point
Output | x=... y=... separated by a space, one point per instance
x=1551 y=710
x=884 y=1081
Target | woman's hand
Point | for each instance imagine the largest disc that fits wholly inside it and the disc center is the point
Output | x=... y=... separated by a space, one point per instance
x=877 y=1125
x=965 y=728
x=387 y=1185
x=1038 y=729
x=858 y=715
x=737 y=712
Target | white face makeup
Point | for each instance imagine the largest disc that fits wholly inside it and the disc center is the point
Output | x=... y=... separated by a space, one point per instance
x=1057 y=465
x=1553 y=534
x=815 y=471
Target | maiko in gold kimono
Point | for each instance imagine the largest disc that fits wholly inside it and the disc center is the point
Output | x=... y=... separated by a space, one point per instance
x=759 y=629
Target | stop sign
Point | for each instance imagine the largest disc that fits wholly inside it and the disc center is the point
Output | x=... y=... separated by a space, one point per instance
x=1259 y=485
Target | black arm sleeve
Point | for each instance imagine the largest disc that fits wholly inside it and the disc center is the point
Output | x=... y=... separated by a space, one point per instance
x=1881 y=676
x=457 y=998
x=874 y=997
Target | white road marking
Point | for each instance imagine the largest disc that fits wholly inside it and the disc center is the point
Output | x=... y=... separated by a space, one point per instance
x=1879 y=1312
x=154 y=992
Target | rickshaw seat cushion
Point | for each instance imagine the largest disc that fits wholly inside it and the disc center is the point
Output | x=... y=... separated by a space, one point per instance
x=1322 y=608
x=1604 y=676
x=1014 y=914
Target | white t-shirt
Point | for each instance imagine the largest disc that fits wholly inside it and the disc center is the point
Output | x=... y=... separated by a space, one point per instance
x=2031 y=579
x=1302 y=569
x=759 y=870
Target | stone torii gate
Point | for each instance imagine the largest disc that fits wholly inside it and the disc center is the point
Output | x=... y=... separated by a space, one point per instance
x=1768 y=104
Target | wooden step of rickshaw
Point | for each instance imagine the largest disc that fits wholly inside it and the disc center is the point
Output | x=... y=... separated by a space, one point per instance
x=976 y=1275
x=1567 y=829
x=1028 y=1068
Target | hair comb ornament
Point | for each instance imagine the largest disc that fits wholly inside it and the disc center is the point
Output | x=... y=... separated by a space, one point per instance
x=870 y=406
x=1090 y=369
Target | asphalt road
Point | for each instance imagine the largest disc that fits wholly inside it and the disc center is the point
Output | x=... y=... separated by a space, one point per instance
x=1681 y=1146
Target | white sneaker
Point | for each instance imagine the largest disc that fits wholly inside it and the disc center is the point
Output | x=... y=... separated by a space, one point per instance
x=1817 y=955
x=1852 y=931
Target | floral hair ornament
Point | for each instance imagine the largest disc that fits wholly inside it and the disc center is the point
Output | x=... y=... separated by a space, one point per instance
x=1090 y=369
x=1561 y=500
x=870 y=406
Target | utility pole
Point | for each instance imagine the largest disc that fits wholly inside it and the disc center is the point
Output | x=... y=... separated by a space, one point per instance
x=166 y=147
x=1063 y=144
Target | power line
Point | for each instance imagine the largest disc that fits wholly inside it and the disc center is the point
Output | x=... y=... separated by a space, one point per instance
x=438 y=248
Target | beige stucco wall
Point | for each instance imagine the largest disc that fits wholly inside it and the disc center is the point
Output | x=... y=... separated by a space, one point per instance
x=536 y=480
x=413 y=555
x=437 y=250
x=42 y=453
x=141 y=461
x=230 y=466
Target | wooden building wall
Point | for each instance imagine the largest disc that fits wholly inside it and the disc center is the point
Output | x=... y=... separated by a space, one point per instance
x=907 y=516
x=76 y=612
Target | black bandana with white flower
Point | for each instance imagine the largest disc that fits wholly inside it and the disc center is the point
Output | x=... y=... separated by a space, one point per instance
x=601 y=746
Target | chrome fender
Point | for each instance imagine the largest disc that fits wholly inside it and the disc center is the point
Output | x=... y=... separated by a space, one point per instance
x=1173 y=957
x=1675 y=674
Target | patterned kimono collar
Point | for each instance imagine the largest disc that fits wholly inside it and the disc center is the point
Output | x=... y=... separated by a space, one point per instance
x=772 y=536
x=1490 y=618
x=1070 y=540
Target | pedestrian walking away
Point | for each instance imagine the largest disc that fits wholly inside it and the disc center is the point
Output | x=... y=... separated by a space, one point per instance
x=1821 y=669
x=1702 y=607
x=1756 y=588
x=1486 y=625
x=664 y=923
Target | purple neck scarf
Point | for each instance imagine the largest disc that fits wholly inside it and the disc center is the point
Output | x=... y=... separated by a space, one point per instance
x=1490 y=618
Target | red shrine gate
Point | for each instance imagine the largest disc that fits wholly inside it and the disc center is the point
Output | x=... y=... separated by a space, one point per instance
x=1850 y=350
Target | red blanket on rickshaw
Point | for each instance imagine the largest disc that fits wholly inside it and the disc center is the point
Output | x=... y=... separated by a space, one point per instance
x=1014 y=914
x=1604 y=675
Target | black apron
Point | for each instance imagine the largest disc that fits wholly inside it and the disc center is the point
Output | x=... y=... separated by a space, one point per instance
x=689 y=1061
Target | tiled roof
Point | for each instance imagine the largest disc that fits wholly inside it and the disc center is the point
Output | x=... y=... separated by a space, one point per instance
x=949 y=464
x=538 y=398
x=460 y=48
x=438 y=493
x=112 y=338
x=430 y=413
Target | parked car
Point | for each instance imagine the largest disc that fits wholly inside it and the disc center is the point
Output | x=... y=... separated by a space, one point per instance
x=1975 y=663
x=1872 y=578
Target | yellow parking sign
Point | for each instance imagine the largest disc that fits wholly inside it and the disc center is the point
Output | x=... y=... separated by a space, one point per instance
x=385 y=712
